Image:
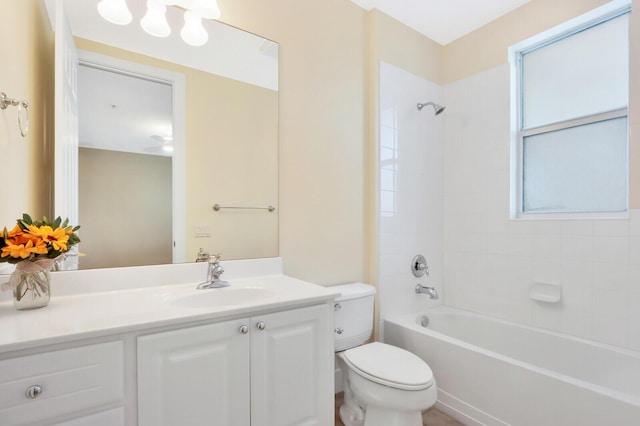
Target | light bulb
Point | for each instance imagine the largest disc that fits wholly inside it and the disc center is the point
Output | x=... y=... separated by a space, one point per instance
x=154 y=21
x=207 y=9
x=193 y=32
x=115 y=11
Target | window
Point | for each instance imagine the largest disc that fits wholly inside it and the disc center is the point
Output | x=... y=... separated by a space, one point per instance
x=571 y=132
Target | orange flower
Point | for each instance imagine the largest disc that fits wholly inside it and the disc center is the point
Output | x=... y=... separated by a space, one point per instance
x=17 y=236
x=16 y=231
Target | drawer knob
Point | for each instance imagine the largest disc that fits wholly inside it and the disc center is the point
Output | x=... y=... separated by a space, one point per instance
x=261 y=325
x=33 y=392
x=244 y=329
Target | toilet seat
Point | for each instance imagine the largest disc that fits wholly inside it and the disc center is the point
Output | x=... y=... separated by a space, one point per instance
x=389 y=366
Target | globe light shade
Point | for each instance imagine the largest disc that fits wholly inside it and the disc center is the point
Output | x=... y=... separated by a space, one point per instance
x=207 y=9
x=193 y=33
x=154 y=21
x=115 y=11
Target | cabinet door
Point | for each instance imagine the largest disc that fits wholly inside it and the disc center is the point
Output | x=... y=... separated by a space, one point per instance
x=195 y=377
x=292 y=368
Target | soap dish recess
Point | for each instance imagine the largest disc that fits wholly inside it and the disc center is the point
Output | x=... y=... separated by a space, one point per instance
x=546 y=292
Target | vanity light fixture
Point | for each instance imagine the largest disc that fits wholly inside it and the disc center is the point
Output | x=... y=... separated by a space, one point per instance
x=193 y=32
x=155 y=22
x=115 y=11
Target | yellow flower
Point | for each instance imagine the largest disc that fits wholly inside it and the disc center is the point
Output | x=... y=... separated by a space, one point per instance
x=40 y=247
x=57 y=238
x=23 y=250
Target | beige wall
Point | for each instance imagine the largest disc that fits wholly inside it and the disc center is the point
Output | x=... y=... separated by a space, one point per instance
x=231 y=159
x=395 y=43
x=124 y=208
x=322 y=131
x=486 y=48
x=27 y=68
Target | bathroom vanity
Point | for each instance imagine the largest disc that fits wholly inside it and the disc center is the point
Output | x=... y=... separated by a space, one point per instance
x=109 y=352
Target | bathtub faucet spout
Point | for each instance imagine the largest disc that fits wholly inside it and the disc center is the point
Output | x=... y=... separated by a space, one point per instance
x=423 y=289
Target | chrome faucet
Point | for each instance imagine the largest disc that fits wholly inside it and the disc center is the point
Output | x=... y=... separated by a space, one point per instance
x=213 y=274
x=423 y=289
x=203 y=256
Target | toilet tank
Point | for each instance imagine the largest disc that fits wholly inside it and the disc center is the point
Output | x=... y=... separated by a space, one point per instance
x=353 y=315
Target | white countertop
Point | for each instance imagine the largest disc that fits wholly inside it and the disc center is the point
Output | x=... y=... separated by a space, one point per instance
x=111 y=304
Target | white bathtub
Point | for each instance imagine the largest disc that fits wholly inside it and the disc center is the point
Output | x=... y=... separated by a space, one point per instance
x=495 y=372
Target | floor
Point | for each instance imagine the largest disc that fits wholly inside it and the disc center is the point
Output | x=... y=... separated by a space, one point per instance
x=431 y=417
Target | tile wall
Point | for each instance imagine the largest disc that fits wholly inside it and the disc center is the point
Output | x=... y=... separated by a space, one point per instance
x=410 y=151
x=490 y=261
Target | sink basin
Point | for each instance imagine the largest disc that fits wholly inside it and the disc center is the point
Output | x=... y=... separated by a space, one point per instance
x=227 y=296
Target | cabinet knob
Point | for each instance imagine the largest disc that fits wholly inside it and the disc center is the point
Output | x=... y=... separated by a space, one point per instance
x=33 y=392
x=339 y=330
x=337 y=307
x=261 y=325
x=244 y=329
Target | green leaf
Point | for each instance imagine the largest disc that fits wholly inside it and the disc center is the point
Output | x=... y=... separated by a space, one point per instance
x=65 y=223
x=27 y=219
x=76 y=228
x=57 y=222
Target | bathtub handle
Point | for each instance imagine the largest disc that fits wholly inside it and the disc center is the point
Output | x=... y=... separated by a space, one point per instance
x=419 y=266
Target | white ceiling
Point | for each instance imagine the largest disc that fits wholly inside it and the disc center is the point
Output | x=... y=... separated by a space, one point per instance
x=120 y=112
x=443 y=20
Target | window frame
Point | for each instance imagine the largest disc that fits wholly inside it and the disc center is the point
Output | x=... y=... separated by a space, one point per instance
x=610 y=11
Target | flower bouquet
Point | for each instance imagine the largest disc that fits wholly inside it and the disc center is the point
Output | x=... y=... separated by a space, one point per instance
x=34 y=247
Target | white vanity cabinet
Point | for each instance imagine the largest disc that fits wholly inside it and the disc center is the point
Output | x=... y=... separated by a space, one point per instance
x=267 y=370
x=189 y=375
x=79 y=386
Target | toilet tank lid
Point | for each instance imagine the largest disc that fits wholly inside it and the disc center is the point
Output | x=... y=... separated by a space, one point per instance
x=353 y=291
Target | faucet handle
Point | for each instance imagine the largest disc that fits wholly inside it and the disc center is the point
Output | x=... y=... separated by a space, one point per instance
x=203 y=256
x=215 y=258
x=419 y=266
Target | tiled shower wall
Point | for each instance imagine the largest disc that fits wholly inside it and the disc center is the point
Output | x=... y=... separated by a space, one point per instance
x=491 y=261
x=410 y=197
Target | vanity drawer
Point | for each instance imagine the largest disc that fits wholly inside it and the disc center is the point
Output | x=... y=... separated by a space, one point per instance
x=50 y=384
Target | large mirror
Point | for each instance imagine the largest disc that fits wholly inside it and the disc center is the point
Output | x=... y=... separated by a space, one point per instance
x=165 y=132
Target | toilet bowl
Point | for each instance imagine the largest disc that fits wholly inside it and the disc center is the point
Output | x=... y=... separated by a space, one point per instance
x=383 y=385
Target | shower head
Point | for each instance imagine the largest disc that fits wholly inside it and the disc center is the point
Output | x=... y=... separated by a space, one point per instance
x=437 y=108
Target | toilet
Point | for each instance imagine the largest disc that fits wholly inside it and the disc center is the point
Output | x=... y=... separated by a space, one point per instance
x=383 y=385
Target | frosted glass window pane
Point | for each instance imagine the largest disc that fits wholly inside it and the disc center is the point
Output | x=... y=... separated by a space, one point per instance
x=578 y=169
x=580 y=75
